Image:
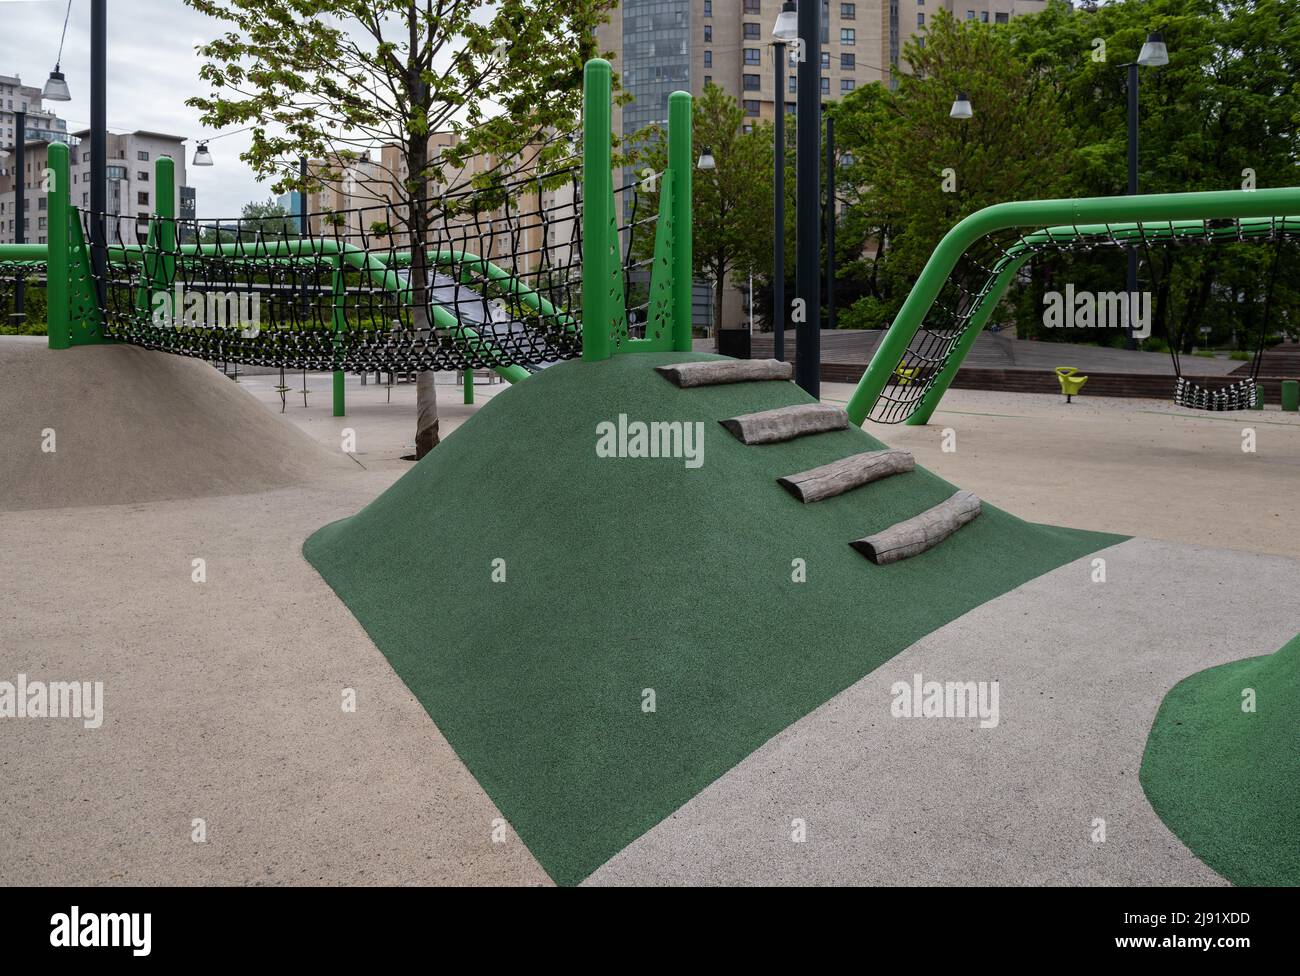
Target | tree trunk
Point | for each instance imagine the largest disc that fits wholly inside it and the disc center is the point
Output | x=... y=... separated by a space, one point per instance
x=426 y=413
x=417 y=160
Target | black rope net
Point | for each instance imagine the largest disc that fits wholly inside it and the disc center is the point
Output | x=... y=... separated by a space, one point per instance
x=501 y=267
x=963 y=302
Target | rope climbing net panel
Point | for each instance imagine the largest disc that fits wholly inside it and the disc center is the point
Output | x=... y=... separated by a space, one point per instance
x=982 y=274
x=496 y=283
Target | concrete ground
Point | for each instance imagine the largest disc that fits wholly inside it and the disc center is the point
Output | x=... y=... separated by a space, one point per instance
x=223 y=699
x=1082 y=668
x=1138 y=467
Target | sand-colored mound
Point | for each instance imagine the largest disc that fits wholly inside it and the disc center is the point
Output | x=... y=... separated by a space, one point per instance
x=131 y=425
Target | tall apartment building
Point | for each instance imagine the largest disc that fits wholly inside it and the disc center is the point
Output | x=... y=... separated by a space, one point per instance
x=130 y=179
x=662 y=46
x=41 y=124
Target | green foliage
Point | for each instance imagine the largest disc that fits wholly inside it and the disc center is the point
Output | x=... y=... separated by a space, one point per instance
x=732 y=203
x=267 y=218
x=334 y=79
x=1049 y=92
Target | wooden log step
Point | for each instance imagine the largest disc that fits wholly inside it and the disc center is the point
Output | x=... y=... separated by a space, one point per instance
x=786 y=423
x=925 y=531
x=846 y=474
x=712 y=372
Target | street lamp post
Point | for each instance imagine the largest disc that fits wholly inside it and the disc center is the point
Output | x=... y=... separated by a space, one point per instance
x=20 y=205
x=99 y=143
x=830 y=222
x=785 y=30
x=807 y=370
x=1153 y=54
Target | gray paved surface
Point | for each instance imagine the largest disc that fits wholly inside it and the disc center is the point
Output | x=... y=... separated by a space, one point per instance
x=1082 y=669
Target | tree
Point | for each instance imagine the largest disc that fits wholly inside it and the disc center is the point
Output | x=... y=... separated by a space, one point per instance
x=269 y=219
x=333 y=79
x=732 y=203
x=916 y=171
x=1224 y=113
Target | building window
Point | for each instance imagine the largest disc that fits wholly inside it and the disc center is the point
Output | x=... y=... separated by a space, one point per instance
x=753 y=32
x=984 y=16
x=708 y=59
x=999 y=18
x=848 y=35
x=85 y=157
x=794 y=83
x=826 y=60
x=142 y=176
x=751 y=106
x=708 y=8
x=753 y=55
x=848 y=61
x=753 y=6
x=142 y=155
x=142 y=199
x=826 y=86
x=970 y=15
x=752 y=82
x=920 y=20
x=791 y=108
x=847 y=84
x=708 y=33
x=708 y=80
x=848 y=11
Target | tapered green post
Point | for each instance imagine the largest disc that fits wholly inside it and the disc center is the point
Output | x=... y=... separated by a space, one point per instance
x=469 y=386
x=57 y=273
x=682 y=165
x=599 y=238
x=340 y=320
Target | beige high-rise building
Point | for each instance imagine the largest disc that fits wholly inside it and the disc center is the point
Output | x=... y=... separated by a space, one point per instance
x=662 y=46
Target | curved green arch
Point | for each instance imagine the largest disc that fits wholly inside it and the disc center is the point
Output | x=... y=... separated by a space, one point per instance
x=1154 y=218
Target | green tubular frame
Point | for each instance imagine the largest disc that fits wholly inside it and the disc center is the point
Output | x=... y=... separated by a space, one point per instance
x=603 y=325
x=1153 y=217
x=604 y=311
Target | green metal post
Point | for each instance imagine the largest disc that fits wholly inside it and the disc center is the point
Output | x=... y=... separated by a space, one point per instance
x=1291 y=395
x=682 y=166
x=599 y=239
x=469 y=386
x=57 y=272
x=340 y=326
x=1259 y=397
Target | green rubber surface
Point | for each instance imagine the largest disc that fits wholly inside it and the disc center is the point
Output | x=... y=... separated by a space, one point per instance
x=628 y=574
x=1226 y=781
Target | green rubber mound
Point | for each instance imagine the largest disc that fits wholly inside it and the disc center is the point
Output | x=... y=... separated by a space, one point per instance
x=1227 y=781
x=627 y=574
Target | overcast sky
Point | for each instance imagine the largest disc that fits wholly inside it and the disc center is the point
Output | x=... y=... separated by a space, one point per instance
x=152 y=69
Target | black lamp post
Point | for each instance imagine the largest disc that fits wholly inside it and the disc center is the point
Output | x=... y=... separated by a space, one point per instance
x=807 y=369
x=1153 y=54
x=786 y=29
x=99 y=144
x=20 y=205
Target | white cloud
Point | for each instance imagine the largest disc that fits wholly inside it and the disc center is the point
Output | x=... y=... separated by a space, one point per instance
x=152 y=70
